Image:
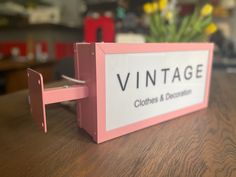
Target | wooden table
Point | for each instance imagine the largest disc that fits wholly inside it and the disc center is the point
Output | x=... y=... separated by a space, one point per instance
x=199 y=144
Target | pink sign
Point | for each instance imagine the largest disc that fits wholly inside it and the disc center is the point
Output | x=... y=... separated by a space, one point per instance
x=129 y=87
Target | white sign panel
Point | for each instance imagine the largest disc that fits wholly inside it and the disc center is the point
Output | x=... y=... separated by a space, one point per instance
x=141 y=86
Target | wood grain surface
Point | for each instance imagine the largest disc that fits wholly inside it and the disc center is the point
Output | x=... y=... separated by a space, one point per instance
x=199 y=144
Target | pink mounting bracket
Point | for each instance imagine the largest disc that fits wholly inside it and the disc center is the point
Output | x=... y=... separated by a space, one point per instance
x=39 y=97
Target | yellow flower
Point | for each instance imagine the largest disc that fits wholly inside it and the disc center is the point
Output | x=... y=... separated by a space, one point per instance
x=206 y=10
x=210 y=29
x=162 y=4
x=169 y=15
x=154 y=6
x=150 y=7
x=147 y=7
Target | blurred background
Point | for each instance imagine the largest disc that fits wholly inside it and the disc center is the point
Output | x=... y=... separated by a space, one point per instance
x=40 y=33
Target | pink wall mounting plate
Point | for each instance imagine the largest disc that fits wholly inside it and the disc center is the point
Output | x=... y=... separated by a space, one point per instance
x=39 y=97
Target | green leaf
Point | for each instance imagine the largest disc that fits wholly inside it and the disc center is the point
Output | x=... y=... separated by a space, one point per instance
x=182 y=28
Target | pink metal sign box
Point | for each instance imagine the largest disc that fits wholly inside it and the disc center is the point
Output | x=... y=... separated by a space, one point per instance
x=128 y=87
